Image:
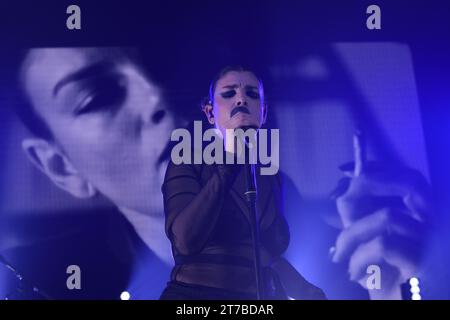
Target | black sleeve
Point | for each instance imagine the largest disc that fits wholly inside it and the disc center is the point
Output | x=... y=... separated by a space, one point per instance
x=276 y=236
x=191 y=209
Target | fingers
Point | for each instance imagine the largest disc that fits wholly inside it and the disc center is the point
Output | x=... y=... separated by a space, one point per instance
x=405 y=254
x=397 y=258
x=366 y=254
x=383 y=210
x=354 y=169
x=408 y=185
x=382 y=179
x=384 y=222
x=358 y=154
x=370 y=254
x=340 y=189
x=419 y=206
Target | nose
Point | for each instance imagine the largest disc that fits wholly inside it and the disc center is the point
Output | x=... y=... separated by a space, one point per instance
x=158 y=116
x=241 y=99
x=154 y=111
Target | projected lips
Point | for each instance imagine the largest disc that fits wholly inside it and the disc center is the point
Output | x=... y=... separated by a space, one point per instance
x=239 y=109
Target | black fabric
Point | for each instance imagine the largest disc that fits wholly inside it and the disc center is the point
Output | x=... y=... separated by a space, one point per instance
x=176 y=290
x=205 y=208
x=273 y=290
x=211 y=191
x=214 y=258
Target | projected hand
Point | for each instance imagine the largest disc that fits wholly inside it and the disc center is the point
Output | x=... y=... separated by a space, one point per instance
x=385 y=213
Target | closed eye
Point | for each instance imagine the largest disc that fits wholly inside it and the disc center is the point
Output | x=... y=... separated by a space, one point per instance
x=228 y=94
x=253 y=94
x=103 y=95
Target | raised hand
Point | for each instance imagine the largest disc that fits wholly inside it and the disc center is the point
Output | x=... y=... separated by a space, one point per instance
x=385 y=213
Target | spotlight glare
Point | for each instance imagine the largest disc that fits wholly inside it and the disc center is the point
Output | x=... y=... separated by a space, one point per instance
x=415 y=290
x=413 y=282
x=416 y=296
x=125 y=295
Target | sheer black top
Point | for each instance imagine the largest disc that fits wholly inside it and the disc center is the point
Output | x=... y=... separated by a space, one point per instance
x=208 y=224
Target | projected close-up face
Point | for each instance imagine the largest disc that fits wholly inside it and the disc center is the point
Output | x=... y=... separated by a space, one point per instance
x=238 y=101
x=109 y=122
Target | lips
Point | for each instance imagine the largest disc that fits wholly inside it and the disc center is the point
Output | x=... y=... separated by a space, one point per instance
x=236 y=110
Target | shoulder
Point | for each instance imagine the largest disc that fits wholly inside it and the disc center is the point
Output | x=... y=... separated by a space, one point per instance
x=183 y=175
x=183 y=169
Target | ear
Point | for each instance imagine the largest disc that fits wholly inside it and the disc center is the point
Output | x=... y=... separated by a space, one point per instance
x=208 y=110
x=265 y=109
x=49 y=159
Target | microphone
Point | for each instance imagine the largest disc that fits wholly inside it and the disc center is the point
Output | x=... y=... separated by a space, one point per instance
x=252 y=196
x=245 y=128
x=249 y=167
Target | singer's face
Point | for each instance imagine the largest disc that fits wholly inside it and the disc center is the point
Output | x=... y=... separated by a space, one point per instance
x=108 y=117
x=238 y=101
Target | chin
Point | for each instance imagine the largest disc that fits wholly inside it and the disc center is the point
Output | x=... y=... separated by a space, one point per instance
x=249 y=124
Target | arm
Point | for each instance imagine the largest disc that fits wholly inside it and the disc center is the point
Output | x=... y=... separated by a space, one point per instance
x=276 y=237
x=192 y=210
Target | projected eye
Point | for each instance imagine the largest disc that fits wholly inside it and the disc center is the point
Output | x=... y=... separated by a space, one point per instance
x=105 y=95
x=228 y=94
x=253 y=94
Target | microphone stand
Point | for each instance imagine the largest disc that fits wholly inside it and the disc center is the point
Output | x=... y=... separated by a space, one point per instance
x=252 y=197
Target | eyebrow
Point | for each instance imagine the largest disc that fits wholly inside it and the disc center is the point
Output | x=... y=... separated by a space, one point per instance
x=84 y=73
x=234 y=86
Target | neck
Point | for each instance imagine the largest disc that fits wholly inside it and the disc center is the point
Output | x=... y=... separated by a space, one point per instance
x=151 y=229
